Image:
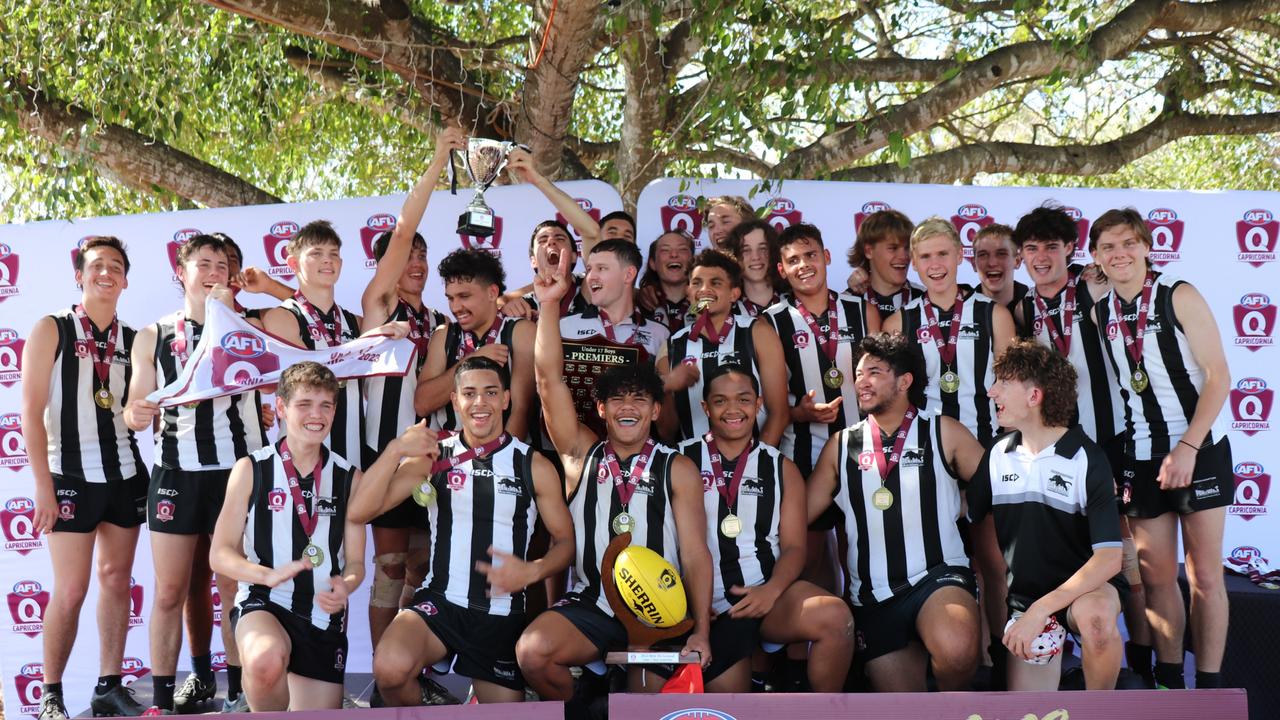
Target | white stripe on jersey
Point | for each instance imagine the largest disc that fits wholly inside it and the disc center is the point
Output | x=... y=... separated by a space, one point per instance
x=101 y=448
x=389 y=399
x=444 y=418
x=735 y=347
x=748 y=559
x=974 y=361
x=273 y=535
x=346 y=437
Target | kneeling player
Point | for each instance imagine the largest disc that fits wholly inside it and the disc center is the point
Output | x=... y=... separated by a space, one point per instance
x=284 y=533
x=755 y=504
x=1051 y=492
x=485 y=490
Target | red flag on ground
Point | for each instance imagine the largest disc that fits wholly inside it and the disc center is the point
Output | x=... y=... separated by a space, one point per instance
x=688 y=679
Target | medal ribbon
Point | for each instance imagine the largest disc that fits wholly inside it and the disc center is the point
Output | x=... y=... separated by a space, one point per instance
x=704 y=323
x=180 y=352
x=830 y=340
x=627 y=488
x=419 y=333
x=1067 y=314
x=729 y=490
x=469 y=344
x=874 y=298
x=636 y=320
x=947 y=348
x=1134 y=338
x=450 y=463
x=316 y=324
x=883 y=464
x=101 y=363
x=307 y=519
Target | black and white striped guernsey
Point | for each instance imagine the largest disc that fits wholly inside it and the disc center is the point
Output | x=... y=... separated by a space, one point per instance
x=273 y=535
x=594 y=504
x=389 y=398
x=1098 y=397
x=891 y=550
x=213 y=434
x=895 y=301
x=346 y=437
x=806 y=365
x=444 y=418
x=974 y=362
x=1156 y=418
x=86 y=441
x=735 y=347
x=486 y=501
x=748 y=559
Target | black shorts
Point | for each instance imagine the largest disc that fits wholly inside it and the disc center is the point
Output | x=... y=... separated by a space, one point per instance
x=481 y=646
x=732 y=640
x=890 y=626
x=82 y=505
x=405 y=516
x=603 y=630
x=1212 y=484
x=317 y=654
x=183 y=502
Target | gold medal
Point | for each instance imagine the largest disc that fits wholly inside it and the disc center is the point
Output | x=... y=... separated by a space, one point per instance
x=104 y=398
x=1139 y=381
x=424 y=494
x=313 y=554
x=882 y=499
x=833 y=378
x=622 y=523
x=950 y=383
x=731 y=526
x=191 y=405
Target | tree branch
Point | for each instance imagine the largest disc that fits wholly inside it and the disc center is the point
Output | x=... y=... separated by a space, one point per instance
x=133 y=158
x=728 y=156
x=1078 y=160
x=338 y=80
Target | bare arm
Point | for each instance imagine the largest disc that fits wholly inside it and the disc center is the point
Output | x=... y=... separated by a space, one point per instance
x=522 y=381
x=388 y=481
x=138 y=412
x=434 y=381
x=1002 y=329
x=963 y=451
x=521 y=164
x=281 y=323
x=773 y=385
x=695 y=558
x=668 y=421
x=820 y=487
x=37 y=362
x=226 y=553
x=571 y=439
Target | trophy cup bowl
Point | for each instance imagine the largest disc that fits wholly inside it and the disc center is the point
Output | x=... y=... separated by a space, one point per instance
x=483 y=161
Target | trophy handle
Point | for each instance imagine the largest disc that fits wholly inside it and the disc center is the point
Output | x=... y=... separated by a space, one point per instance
x=639 y=636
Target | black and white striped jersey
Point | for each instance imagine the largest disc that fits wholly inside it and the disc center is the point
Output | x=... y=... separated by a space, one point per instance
x=389 y=398
x=346 y=438
x=444 y=418
x=736 y=347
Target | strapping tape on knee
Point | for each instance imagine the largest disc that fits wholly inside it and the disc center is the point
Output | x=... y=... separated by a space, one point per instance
x=385 y=592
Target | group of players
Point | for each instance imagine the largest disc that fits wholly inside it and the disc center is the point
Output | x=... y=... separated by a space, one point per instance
x=836 y=472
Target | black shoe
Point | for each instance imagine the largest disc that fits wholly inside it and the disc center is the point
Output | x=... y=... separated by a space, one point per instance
x=193 y=693
x=52 y=707
x=433 y=693
x=116 y=702
x=375 y=698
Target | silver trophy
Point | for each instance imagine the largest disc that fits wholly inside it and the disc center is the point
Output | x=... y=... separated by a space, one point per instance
x=483 y=161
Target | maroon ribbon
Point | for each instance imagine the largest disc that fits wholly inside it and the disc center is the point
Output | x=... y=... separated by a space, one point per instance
x=306 y=518
x=419 y=333
x=450 y=463
x=705 y=324
x=946 y=348
x=469 y=344
x=729 y=490
x=883 y=464
x=101 y=363
x=830 y=341
x=180 y=340
x=873 y=298
x=1133 y=339
x=317 y=326
x=627 y=488
x=754 y=309
x=1067 y=312
x=636 y=320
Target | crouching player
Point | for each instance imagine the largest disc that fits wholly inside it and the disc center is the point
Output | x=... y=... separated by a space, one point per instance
x=285 y=536
x=1051 y=492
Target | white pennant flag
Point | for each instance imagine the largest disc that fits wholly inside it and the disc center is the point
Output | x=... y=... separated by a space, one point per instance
x=234 y=356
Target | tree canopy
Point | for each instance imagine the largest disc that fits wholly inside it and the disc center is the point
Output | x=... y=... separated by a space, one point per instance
x=156 y=104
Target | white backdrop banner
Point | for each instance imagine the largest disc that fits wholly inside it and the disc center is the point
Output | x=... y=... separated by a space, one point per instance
x=1223 y=242
x=36 y=279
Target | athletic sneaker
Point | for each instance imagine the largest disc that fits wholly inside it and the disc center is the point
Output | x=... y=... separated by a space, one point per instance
x=52 y=707
x=433 y=693
x=116 y=702
x=239 y=705
x=193 y=693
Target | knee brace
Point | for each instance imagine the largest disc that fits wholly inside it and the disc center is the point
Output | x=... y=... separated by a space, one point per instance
x=385 y=592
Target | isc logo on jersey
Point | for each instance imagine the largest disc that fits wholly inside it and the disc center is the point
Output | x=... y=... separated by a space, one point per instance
x=681 y=214
x=377 y=224
x=276 y=245
x=1082 y=234
x=1255 y=318
x=1256 y=234
x=873 y=206
x=27 y=603
x=1166 y=236
x=29 y=682
x=10 y=357
x=783 y=213
x=240 y=360
x=18 y=522
x=1251 y=405
x=1253 y=485
x=13 y=447
x=492 y=243
x=589 y=208
x=969 y=219
x=8 y=272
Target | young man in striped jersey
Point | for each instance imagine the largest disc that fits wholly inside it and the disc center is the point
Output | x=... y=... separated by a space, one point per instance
x=880 y=258
x=1162 y=342
x=91 y=485
x=755 y=505
x=1051 y=493
x=657 y=499
x=285 y=534
x=394 y=293
x=754 y=244
x=196 y=446
x=995 y=258
x=473 y=281
x=895 y=477
x=666 y=280
x=718 y=336
x=485 y=490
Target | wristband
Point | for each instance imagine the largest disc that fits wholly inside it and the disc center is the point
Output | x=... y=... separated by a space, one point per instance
x=1193 y=447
